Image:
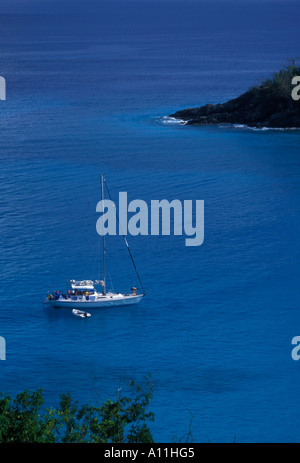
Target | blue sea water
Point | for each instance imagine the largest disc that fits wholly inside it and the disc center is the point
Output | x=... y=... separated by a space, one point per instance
x=88 y=89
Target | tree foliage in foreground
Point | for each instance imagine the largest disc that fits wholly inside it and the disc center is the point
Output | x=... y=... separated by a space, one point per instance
x=124 y=420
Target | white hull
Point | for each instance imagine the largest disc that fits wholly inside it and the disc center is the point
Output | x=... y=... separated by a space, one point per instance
x=99 y=303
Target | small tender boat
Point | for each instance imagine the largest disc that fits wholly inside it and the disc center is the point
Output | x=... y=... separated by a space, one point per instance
x=81 y=313
x=82 y=294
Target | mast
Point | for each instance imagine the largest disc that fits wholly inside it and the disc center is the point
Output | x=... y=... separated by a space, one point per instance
x=127 y=245
x=103 y=242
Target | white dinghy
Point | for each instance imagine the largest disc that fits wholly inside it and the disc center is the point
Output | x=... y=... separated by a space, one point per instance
x=81 y=313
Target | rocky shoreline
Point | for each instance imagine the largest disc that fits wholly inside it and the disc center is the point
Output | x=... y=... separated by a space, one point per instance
x=263 y=106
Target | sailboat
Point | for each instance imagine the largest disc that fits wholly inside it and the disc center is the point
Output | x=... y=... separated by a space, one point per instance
x=82 y=294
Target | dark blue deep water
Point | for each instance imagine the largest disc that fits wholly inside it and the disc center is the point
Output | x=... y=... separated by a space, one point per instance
x=88 y=87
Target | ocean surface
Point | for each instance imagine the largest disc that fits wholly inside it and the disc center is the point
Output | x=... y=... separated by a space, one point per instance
x=89 y=89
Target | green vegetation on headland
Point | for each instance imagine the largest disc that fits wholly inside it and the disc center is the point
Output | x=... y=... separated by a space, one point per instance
x=125 y=420
x=269 y=104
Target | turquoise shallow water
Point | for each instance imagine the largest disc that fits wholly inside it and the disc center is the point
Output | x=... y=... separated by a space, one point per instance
x=87 y=94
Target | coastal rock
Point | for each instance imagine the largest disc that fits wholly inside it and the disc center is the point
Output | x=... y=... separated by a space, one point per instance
x=259 y=107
